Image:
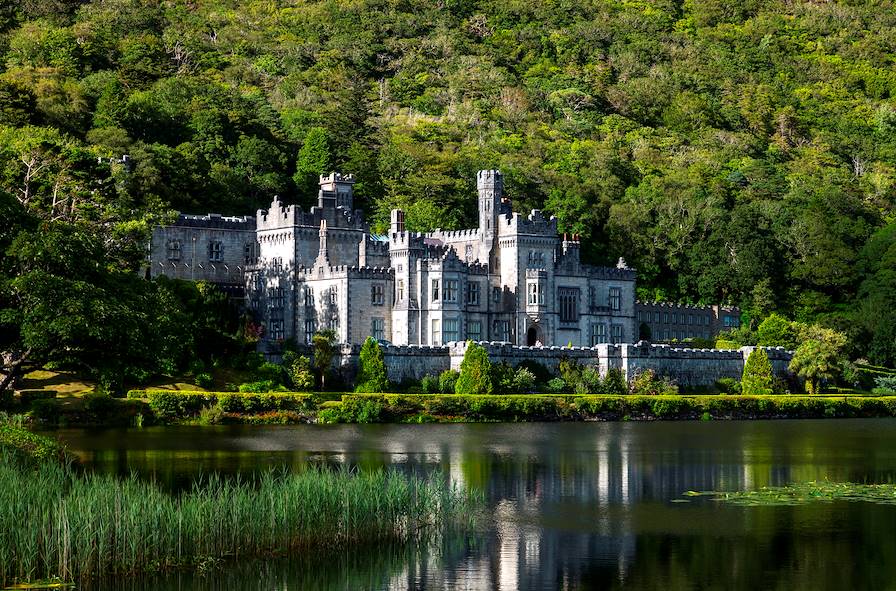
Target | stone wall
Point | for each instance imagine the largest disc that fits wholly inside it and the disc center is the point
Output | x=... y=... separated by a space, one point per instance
x=687 y=367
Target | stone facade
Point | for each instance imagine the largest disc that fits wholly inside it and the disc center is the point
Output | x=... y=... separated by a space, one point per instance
x=668 y=322
x=511 y=279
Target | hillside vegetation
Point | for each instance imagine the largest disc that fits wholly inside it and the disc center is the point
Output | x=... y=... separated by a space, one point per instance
x=732 y=152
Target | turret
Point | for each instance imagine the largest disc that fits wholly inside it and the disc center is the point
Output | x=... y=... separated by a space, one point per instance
x=490 y=185
x=336 y=191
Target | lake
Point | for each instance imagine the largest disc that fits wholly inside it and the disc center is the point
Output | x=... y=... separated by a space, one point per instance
x=570 y=506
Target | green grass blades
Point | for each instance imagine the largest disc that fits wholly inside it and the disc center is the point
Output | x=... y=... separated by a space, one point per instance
x=806 y=492
x=59 y=523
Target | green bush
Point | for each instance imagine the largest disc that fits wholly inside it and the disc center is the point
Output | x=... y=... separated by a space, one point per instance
x=524 y=380
x=885 y=385
x=648 y=383
x=429 y=384
x=211 y=415
x=97 y=404
x=589 y=382
x=475 y=371
x=727 y=386
x=557 y=386
x=758 y=378
x=172 y=405
x=448 y=381
x=614 y=383
x=262 y=386
x=47 y=411
x=203 y=380
x=298 y=369
x=372 y=368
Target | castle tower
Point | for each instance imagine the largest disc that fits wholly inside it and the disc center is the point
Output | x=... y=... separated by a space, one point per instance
x=323 y=253
x=490 y=185
x=336 y=191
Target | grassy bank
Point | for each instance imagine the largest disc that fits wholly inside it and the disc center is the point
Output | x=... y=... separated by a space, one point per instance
x=355 y=408
x=57 y=522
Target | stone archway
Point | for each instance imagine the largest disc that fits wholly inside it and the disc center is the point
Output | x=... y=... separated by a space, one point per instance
x=534 y=336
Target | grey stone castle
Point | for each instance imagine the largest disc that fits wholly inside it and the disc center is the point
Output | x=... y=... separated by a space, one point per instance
x=512 y=279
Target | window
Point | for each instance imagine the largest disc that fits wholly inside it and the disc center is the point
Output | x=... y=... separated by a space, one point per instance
x=215 y=251
x=378 y=328
x=333 y=295
x=536 y=259
x=309 y=330
x=656 y=316
x=473 y=293
x=277 y=330
x=450 y=294
x=598 y=334
x=474 y=330
x=174 y=250
x=249 y=253
x=435 y=290
x=377 y=294
x=615 y=298
x=536 y=297
x=501 y=330
x=468 y=253
x=666 y=317
x=451 y=330
x=277 y=264
x=569 y=304
x=276 y=298
x=674 y=318
x=436 y=332
x=616 y=333
x=496 y=294
x=706 y=320
x=400 y=289
x=309 y=297
x=690 y=319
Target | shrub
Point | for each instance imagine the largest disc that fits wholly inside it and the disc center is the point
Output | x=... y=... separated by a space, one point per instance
x=502 y=375
x=298 y=369
x=270 y=372
x=557 y=386
x=776 y=331
x=647 y=383
x=203 y=380
x=727 y=386
x=885 y=385
x=26 y=397
x=448 y=381
x=475 y=371
x=524 y=380
x=570 y=372
x=758 y=379
x=211 y=415
x=98 y=404
x=429 y=384
x=614 y=383
x=46 y=411
x=590 y=382
x=372 y=368
x=262 y=386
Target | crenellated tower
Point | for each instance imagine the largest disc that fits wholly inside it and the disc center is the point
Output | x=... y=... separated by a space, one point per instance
x=490 y=185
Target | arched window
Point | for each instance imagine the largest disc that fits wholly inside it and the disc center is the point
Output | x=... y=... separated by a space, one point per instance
x=174 y=250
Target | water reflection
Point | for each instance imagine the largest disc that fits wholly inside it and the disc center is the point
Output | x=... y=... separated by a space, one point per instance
x=572 y=506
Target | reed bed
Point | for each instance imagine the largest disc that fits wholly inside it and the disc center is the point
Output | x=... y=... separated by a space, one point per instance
x=58 y=523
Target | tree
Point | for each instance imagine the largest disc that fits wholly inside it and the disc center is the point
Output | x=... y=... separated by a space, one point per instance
x=776 y=331
x=758 y=378
x=313 y=160
x=298 y=368
x=475 y=371
x=372 y=375
x=323 y=346
x=819 y=356
x=614 y=383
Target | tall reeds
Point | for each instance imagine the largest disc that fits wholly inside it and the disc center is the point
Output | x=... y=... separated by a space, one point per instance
x=56 y=522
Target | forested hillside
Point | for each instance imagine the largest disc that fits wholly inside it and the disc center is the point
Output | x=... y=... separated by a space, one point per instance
x=736 y=152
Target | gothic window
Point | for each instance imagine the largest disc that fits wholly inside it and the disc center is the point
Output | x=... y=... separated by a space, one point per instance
x=333 y=295
x=450 y=294
x=276 y=298
x=706 y=320
x=656 y=316
x=496 y=294
x=435 y=290
x=535 y=296
x=378 y=328
x=666 y=317
x=174 y=250
x=436 y=332
x=400 y=289
x=309 y=297
x=473 y=293
x=215 y=251
x=690 y=319
x=377 y=294
x=277 y=264
x=451 y=330
x=615 y=298
x=276 y=330
x=598 y=334
x=309 y=330
x=569 y=304
x=616 y=333
x=474 y=330
x=468 y=253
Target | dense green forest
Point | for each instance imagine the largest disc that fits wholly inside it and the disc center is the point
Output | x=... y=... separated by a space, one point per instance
x=732 y=152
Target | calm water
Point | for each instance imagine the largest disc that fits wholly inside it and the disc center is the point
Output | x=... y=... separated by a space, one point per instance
x=571 y=506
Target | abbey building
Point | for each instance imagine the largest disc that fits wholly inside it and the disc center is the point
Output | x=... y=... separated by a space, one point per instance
x=511 y=279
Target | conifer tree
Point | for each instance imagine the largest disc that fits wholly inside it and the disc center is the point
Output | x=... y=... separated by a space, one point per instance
x=372 y=375
x=475 y=371
x=758 y=378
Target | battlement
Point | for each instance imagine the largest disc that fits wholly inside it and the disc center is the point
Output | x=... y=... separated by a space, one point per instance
x=454 y=235
x=610 y=273
x=216 y=221
x=336 y=177
x=489 y=179
x=686 y=307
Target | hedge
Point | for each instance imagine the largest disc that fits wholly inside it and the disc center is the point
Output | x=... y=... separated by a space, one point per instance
x=360 y=408
x=169 y=405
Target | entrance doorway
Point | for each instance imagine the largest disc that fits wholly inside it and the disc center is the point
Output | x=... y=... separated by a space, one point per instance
x=532 y=336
